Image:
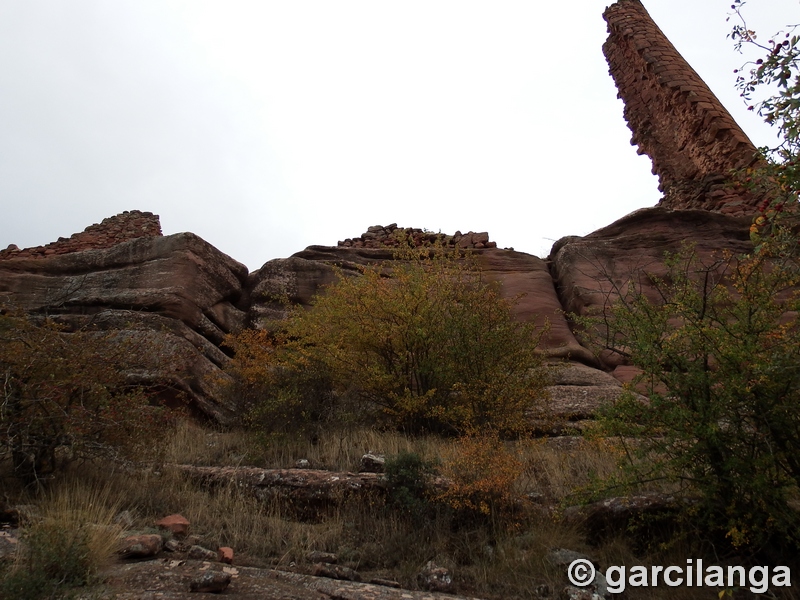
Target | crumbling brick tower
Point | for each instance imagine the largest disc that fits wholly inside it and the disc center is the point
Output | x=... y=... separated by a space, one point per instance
x=675 y=118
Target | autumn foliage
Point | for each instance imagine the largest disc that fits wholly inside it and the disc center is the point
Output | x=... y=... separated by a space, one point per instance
x=422 y=343
x=63 y=398
x=481 y=473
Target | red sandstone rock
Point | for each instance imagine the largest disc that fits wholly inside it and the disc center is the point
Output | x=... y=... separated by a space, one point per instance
x=675 y=118
x=590 y=271
x=225 y=555
x=171 y=297
x=177 y=524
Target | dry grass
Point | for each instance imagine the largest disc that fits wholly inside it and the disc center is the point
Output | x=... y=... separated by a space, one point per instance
x=76 y=506
x=335 y=449
x=556 y=468
x=71 y=535
x=378 y=540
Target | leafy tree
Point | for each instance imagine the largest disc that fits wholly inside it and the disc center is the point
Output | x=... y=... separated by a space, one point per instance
x=63 y=398
x=770 y=85
x=275 y=388
x=719 y=354
x=433 y=347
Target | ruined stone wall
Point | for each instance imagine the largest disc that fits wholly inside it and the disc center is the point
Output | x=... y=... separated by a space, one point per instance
x=392 y=236
x=675 y=118
x=125 y=226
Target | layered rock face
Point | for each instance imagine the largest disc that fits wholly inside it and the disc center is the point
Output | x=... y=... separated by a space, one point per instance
x=172 y=297
x=675 y=118
x=590 y=272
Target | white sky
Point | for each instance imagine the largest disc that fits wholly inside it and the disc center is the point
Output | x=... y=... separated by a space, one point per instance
x=267 y=126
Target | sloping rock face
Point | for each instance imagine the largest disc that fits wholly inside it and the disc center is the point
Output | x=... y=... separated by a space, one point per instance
x=171 y=297
x=590 y=272
x=523 y=277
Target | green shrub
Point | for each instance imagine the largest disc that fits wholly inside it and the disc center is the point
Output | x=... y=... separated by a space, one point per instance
x=719 y=355
x=407 y=475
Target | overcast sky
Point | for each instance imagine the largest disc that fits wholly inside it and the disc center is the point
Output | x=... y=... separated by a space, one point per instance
x=267 y=126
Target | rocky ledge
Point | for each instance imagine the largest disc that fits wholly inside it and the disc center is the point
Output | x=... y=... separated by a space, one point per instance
x=177 y=297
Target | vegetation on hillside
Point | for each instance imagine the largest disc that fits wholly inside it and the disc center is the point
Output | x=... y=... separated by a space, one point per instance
x=421 y=344
x=422 y=360
x=64 y=398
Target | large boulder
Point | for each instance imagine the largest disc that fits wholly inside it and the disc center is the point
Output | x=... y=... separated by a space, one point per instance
x=174 y=298
x=590 y=272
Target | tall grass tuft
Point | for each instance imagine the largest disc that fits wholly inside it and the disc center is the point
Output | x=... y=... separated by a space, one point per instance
x=65 y=545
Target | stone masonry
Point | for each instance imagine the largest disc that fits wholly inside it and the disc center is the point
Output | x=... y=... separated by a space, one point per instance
x=676 y=120
x=129 y=225
x=392 y=236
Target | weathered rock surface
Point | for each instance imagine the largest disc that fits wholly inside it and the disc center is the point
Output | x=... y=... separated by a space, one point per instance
x=591 y=271
x=306 y=491
x=610 y=516
x=372 y=463
x=171 y=297
x=9 y=542
x=675 y=118
x=210 y=582
x=304 y=488
x=140 y=546
x=579 y=390
x=435 y=578
x=171 y=579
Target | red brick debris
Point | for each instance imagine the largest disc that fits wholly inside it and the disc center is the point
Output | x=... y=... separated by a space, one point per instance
x=126 y=226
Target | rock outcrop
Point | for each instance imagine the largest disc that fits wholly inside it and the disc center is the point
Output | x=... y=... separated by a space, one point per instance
x=591 y=271
x=172 y=297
